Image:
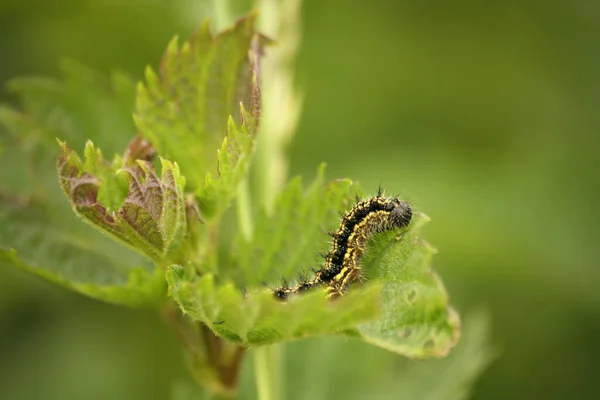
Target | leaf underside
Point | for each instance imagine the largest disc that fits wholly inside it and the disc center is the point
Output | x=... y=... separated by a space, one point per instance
x=142 y=288
x=152 y=212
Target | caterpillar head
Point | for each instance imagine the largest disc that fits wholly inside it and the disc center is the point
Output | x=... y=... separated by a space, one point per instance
x=400 y=213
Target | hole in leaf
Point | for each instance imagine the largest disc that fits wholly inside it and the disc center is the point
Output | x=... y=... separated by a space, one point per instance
x=428 y=345
x=412 y=295
x=405 y=334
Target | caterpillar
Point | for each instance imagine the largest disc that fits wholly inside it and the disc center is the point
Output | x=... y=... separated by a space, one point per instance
x=342 y=264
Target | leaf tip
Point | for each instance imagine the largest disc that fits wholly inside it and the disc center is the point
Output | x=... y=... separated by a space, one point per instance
x=243 y=109
x=89 y=149
x=231 y=125
x=247 y=20
x=166 y=164
x=205 y=28
x=321 y=170
x=150 y=75
x=173 y=45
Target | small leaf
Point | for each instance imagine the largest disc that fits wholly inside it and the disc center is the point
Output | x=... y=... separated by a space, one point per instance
x=184 y=110
x=257 y=318
x=233 y=160
x=416 y=318
x=152 y=213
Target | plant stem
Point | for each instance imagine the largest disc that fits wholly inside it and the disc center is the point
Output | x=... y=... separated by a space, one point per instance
x=244 y=214
x=282 y=104
x=279 y=19
x=267 y=363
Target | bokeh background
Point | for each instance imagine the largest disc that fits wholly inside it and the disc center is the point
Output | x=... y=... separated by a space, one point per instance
x=484 y=114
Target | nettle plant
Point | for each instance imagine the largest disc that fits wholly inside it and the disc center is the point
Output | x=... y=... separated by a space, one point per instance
x=171 y=224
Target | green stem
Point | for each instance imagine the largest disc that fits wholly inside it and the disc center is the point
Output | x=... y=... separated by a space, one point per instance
x=244 y=213
x=281 y=102
x=268 y=361
x=281 y=108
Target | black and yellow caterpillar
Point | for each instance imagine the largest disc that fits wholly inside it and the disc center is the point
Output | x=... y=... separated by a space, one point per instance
x=342 y=263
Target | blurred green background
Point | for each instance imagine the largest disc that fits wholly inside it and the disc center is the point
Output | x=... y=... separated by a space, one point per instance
x=485 y=115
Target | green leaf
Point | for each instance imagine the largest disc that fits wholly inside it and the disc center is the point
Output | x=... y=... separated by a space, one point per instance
x=184 y=110
x=257 y=318
x=416 y=318
x=72 y=254
x=141 y=289
x=152 y=214
x=233 y=161
x=287 y=242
